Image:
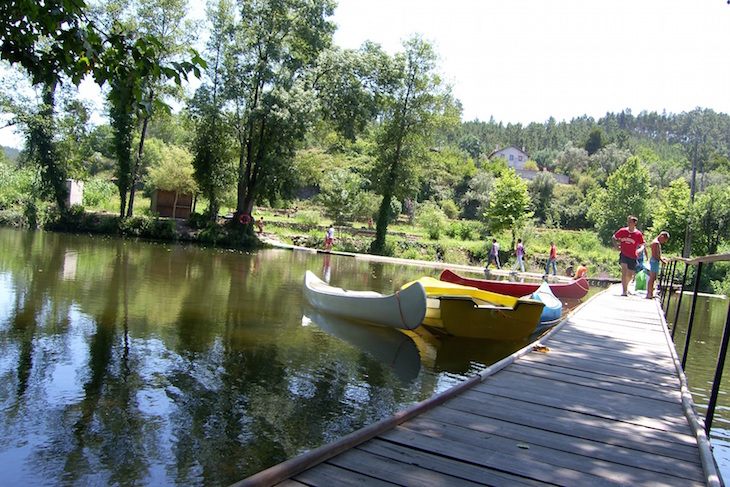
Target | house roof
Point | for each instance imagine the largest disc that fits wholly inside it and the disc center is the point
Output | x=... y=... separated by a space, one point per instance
x=510 y=146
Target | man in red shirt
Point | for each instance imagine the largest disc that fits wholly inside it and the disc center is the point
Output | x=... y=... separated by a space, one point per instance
x=630 y=241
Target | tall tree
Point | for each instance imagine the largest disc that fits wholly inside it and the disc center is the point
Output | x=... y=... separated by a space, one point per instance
x=627 y=193
x=672 y=214
x=271 y=106
x=129 y=61
x=163 y=20
x=510 y=204
x=415 y=103
x=211 y=147
x=51 y=41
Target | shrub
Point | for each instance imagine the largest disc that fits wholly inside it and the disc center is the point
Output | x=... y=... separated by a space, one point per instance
x=97 y=191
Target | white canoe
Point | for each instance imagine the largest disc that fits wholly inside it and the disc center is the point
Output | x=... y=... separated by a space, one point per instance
x=404 y=309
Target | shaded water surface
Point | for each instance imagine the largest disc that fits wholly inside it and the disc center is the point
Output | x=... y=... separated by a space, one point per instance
x=702 y=355
x=135 y=363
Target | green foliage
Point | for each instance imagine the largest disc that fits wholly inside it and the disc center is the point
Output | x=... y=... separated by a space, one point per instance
x=711 y=220
x=415 y=104
x=510 y=204
x=595 y=141
x=450 y=208
x=17 y=185
x=339 y=193
x=172 y=171
x=432 y=218
x=541 y=193
x=97 y=191
x=476 y=199
x=672 y=215
x=626 y=194
x=531 y=165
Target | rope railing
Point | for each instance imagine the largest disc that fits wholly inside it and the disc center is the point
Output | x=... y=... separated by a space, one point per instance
x=667 y=281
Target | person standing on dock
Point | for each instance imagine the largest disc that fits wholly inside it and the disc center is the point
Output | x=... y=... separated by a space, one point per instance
x=629 y=241
x=654 y=261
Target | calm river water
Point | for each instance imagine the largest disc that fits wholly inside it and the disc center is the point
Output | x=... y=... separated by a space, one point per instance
x=703 y=351
x=134 y=363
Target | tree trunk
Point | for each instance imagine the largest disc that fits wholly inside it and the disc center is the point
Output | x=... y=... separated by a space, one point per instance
x=135 y=171
x=55 y=176
x=174 y=205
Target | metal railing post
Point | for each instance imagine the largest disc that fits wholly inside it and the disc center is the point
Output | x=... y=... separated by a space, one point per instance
x=718 y=374
x=691 y=315
x=667 y=287
x=679 y=303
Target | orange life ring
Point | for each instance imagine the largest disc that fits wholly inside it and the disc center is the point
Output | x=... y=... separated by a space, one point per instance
x=244 y=219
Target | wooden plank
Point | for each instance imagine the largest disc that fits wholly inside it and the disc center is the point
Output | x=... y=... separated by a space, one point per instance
x=616 y=406
x=503 y=459
x=591 y=379
x=438 y=463
x=385 y=468
x=582 y=368
x=326 y=475
x=526 y=459
x=637 y=457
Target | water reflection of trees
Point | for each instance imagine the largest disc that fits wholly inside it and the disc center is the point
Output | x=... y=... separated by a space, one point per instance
x=190 y=365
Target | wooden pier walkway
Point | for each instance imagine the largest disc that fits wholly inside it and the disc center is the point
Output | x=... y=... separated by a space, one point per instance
x=600 y=400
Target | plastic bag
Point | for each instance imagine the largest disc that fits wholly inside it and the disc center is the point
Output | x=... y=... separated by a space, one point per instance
x=641 y=279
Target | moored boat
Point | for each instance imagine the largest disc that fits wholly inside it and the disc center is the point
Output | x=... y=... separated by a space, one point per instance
x=404 y=309
x=553 y=309
x=576 y=289
x=465 y=311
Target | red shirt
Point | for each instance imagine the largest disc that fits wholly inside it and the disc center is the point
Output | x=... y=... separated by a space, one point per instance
x=630 y=241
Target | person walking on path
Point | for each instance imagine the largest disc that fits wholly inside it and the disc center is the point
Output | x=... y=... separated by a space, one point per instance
x=520 y=253
x=494 y=254
x=654 y=261
x=552 y=260
x=630 y=241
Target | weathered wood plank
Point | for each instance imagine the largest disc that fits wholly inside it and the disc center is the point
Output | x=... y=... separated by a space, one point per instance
x=532 y=454
x=439 y=463
x=571 y=424
x=638 y=456
x=385 y=468
x=327 y=475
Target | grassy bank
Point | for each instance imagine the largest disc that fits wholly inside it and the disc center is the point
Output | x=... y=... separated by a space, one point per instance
x=459 y=242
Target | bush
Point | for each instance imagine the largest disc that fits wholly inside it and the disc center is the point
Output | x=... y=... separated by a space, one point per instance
x=432 y=219
x=98 y=191
x=450 y=209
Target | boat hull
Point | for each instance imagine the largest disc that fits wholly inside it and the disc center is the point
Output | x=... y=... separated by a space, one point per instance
x=564 y=290
x=468 y=312
x=553 y=309
x=404 y=309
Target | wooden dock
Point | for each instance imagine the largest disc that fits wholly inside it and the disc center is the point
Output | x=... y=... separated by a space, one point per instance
x=600 y=400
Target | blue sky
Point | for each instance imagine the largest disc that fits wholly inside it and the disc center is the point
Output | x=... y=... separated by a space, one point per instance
x=526 y=60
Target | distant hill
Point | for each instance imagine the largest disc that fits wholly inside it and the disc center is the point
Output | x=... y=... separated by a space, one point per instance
x=11 y=153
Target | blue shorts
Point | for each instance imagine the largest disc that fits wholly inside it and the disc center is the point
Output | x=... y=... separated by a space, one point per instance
x=654 y=265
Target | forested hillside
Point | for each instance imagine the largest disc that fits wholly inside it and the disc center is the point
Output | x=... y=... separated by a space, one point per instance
x=283 y=115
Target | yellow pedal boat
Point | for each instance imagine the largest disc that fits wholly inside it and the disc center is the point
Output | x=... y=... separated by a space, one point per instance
x=465 y=311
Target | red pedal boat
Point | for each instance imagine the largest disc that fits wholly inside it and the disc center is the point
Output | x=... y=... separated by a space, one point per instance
x=563 y=290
